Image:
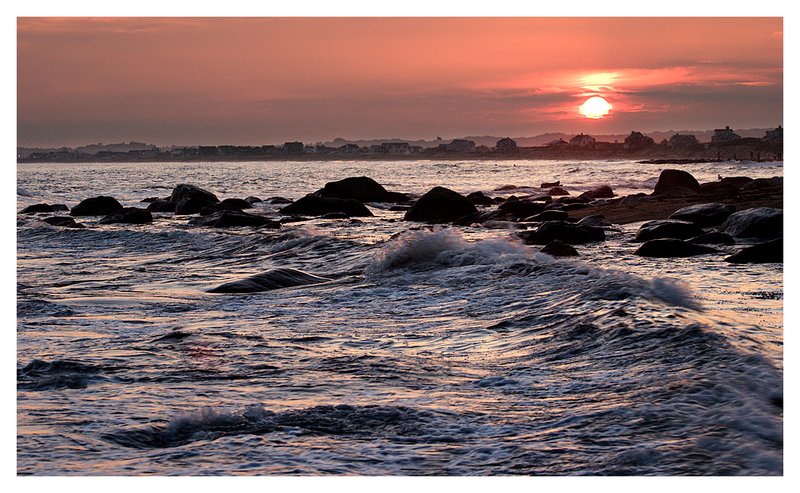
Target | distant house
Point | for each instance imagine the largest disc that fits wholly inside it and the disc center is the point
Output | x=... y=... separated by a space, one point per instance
x=557 y=143
x=723 y=135
x=349 y=148
x=774 y=137
x=293 y=147
x=581 y=140
x=637 y=140
x=461 y=145
x=679 y=141
x=506 y=144
x=395 y=148
x=415 y=149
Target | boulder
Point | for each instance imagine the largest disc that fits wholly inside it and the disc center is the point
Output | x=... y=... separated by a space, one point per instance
x=191 y=205
x=228 y=219
x=713 y=238
x=237 y=203
x=595 y=220
x=667 y=228
x=270 y=280
x=736 y=181
x=558 y=248
x=161 y=206
x=63 y=221
x=520 y=208
x=557 y=191
x=665 y=248
x=761 y=253
x=252 y=200
x=761 y=183
x=563 y=231
x=758 y=222
x=552 y=215
x=550 y=184
x=602 y=192
x=150 y=199
x=96 y=206
x=479 y=198
x=36 y=208
x=676 y=182
x=313 y=205
x=440 y=205
x=710 y=214
x=279 y=200
x=222 y=206
x=718 y=188
x=360 y=188
x=184 y=191
x=128 y=215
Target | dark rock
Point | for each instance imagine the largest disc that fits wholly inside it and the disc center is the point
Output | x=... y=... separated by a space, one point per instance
x=36 y=208
x=595 y=220
x=360 y=188
x=440 y=205
x=635 y=199
x=506 y=188
x=762 y=253
x=761 y=183
x=759 y=222
x=150 y=199
x=399 y=208
x=552 y=215
x=713 y=238
x=558 y=248
x=575 y=206
x=292 y=219
x=704 y=214
x=191 y=205
x=237 y=203
x=520 y=208
x=557 y=191
x=128 y=215
x=541 y=198
x=252 y=200
x=673 y=182
x=184 y=191
x=718 y=188
x=313 y=205
x=59 y=207
x=222 y=206
x=96 y=206
x=550 y=184
x=667 y=228
x=563 y=231
x=335 y=215
x=279 y=200
x=736 y=181
x=602 y=192
x=479 y=198
x=63 y=221
x=161 y=206
x=274 y=279
x=228 y=219
x=664 y=248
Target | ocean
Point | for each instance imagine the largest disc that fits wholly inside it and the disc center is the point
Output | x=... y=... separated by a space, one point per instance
x=427 y=350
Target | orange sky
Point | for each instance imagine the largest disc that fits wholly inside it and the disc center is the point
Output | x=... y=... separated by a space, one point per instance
x=267 y=80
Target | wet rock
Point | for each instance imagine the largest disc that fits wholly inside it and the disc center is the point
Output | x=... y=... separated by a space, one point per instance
x=713 y=238
x=550 y=184
x=399 y=208
x=505 y=188
x=96 y=206
x=761 y=253
x=63 y=221
x=184 y=191
x=161 y=206
x=562 y=231
x=666 y=248
x=128 y=215
x=557 y=191
x=635 y=199
x=335 y=215
x=253 y=200
x=150 y=200
x=270 y=280
x=558 y=248
x=595 y=220
x=479 y=198
x=520 y=208
x=704 y=214
x=222 y=206
x=667 y=228
x=229 y=219
x=440 y=205
x=602 y=192
x=718 y=188
x=237 y=203
x=762 y=183
x=552 y=215
x=36 y=208
x=279 y=200
x=736 y=181
x=758 y=222
x=313 y=205
x=191 y=205
x=362 y=189
x=676 y=182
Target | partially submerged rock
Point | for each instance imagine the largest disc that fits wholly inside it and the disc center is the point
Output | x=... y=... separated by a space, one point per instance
x=361 y=188
x=709 y=214
x=270 y=280
x=128 y=215
x=666 y=248
x=557 y=248
x=758 y=222
x=601 y=192
x=761 y=253
x=190 y=199
x=36 y=208
x=440 y=205
x=667 y=228
x=676 y=182
x=312 y=205
x=713 y=238
x=96 y=206
x=228 y=219
x=562 y=231
x=161 y=206
x=63 y=221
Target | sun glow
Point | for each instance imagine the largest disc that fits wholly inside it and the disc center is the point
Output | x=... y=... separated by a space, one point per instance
x=595 y=107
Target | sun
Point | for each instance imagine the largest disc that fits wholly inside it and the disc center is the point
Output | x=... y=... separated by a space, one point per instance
x=595 y=107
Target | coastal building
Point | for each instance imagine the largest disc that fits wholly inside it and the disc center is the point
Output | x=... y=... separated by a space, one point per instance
x=581 y=140
x=506 y=144
x=293 y=147
x=723 y=135
x=349 y=148
x=395 y=148
x=637 y=140
x=557 y=143
x=461 y=145
x=679 y=141
x=774 y=137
